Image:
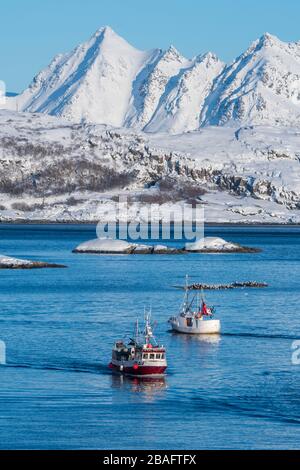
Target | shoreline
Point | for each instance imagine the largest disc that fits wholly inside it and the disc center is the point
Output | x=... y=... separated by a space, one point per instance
x=94 y=224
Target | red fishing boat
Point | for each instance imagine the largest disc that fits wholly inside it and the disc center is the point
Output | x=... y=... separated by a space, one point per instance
x=143 y=356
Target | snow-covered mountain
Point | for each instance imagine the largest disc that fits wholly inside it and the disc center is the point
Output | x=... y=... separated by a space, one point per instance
x=150 y=88
x=93 y=82
x=181 y=108
x=262 y=86
x=107 y=81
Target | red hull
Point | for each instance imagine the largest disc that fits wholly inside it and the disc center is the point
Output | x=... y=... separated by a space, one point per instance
x=140 y=371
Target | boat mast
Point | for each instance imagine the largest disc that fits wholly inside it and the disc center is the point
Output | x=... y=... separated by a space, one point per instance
x=136 y=334
x=186 y=295
x=148 y=330
x=149 y=337
x=202 y=295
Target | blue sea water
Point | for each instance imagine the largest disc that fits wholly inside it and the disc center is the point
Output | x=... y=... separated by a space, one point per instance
x=238 y=391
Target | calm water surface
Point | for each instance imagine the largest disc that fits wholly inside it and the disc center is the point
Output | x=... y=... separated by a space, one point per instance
x=237 y=391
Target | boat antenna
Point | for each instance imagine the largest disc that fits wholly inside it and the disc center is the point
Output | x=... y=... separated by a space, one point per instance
x=147 y=314
x=136 y=335
x=149 y=336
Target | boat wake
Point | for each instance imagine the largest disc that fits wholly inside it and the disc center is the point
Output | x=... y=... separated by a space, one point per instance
x=266 y=399
x=77 y=367
x=263 y=336
x=255 y=407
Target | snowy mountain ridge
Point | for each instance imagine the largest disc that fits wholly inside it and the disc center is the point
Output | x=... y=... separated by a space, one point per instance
x=107 y=81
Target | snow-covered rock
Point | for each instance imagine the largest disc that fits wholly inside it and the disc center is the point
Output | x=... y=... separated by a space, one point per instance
x=205 y=245
x=113 y=246
x=105 y=245
x=216 y=245
x=7 y=262
x=161 y=249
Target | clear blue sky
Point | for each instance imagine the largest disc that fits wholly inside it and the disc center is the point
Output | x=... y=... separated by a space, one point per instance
x=33 y=31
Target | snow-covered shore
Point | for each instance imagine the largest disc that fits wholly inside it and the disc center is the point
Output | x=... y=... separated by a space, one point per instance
x=55 y=171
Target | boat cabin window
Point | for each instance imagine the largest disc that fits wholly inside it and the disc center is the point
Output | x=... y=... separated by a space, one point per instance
x=157 y=356
x=145 y=356
x=152 y=356
x=189 y=322
x=162 y=356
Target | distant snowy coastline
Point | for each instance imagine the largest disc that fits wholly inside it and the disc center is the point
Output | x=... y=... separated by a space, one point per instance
x=52 y=171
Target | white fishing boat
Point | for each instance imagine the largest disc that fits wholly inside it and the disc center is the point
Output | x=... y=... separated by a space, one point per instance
x=195 y=316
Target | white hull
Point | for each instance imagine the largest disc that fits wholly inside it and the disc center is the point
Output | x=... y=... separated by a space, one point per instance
x=199 y=327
